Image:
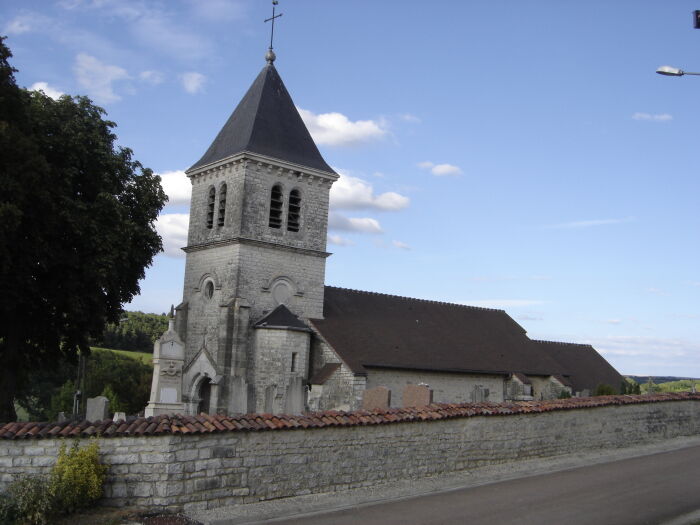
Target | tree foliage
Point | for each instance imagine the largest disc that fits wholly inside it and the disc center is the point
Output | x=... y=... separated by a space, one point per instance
x=126 y=382
x=135 y=331
x=77 y=229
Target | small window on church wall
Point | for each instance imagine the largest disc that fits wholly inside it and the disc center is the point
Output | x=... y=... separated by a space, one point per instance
x=210 y=208
x=276 y=207
x=294 y=361
x=209 y=290
x=294 y=211
x=222 y=205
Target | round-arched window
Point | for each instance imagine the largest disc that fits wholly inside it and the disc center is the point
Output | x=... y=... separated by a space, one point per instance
x=209 y=290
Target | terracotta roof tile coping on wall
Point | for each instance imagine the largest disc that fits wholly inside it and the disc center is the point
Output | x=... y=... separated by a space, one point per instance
x=206 y=424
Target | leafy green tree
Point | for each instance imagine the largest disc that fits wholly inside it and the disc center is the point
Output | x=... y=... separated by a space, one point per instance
x=77 y=229
x=135 y=331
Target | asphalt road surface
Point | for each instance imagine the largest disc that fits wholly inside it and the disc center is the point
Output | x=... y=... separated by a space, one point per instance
x=651 y=489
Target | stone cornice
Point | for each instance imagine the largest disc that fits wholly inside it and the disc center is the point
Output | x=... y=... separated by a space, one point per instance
x=254 y=242
x=271 y=164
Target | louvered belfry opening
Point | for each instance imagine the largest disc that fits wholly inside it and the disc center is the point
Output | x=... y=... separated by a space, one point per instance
x=210 y=208
x=276 y=207
x=222 y=205
x=294 y=211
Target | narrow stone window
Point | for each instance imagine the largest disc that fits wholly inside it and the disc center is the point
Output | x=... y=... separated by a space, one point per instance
x=276 y=207
x=294 y=361
x=222 y=205
x=293 y=211
x=210 y=208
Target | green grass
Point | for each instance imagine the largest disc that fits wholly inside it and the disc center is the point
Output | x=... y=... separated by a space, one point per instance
x=684 y=385
x=141 y=356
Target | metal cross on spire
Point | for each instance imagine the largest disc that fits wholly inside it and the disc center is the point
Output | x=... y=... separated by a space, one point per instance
x=270 y=55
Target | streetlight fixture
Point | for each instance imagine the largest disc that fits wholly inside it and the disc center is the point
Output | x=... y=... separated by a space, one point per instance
x=673 y=71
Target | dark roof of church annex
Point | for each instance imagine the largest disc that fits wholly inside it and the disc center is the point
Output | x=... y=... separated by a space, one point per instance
x=587 y=368
x=281 y=317
x=373 y=330
x=266 y=122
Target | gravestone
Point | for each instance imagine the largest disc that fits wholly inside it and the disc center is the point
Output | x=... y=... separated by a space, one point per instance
x=62 y=417
x=97 y=408
x=294 y=396
x=119 y=416
x=378 y=397
x=417 y=396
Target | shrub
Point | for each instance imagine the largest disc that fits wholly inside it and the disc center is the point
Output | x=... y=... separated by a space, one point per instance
x=77 y=477
x=8 y=509
x=603 y=390
x=31 y=500
x=564 y=394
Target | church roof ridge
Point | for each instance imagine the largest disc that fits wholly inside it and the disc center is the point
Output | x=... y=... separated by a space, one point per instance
x=430 y=301
x=563 y=343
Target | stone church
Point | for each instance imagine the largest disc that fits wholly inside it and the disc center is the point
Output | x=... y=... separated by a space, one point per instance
x=259 y=331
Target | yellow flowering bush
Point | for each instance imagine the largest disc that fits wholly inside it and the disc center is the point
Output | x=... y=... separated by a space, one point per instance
x=77 y=477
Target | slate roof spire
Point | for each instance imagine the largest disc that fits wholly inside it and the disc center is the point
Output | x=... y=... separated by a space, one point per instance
x=266 y=122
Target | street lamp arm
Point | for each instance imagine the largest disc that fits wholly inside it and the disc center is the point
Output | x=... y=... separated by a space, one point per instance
x=671 y=71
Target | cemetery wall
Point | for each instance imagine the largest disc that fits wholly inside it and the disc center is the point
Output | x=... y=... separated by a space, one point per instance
x=202 y=471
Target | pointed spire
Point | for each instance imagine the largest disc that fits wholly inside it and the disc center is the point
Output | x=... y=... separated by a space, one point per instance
x=266 y=122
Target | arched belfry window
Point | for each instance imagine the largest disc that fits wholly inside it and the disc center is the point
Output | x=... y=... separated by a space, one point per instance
x=276 y=207
x=210 y=207
x=222 y=205
x=293 y=211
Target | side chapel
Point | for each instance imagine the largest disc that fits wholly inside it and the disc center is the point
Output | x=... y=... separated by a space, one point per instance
x=259 y=331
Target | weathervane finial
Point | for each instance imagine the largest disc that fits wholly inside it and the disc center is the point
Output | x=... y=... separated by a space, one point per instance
x=270 y=55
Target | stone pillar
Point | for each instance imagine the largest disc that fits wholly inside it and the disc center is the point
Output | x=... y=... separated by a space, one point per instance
x=166 y=388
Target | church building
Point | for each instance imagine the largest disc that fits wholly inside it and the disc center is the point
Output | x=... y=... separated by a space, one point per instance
x=258 y=330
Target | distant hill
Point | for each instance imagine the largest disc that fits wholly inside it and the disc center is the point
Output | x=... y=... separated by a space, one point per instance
x=660 y=379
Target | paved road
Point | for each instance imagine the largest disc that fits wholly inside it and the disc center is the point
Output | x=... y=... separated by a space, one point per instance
x=651 y=489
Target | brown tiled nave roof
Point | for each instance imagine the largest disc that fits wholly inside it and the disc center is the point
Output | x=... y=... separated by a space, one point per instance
x=205 y=424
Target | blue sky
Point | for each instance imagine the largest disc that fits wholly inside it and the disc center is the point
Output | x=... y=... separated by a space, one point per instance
x=515 y=155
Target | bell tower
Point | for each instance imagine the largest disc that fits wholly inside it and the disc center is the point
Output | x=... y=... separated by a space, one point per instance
x=256 y=242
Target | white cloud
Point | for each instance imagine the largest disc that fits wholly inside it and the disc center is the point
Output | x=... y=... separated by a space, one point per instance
x=407 y=117
x=172 y=227
x=645 y=346
x=352 y=193
x=589 y=223
x=217 y=10
x=337 y=240
x=353 y=224
x=151 y=77
x=97 y=78
x=529 y=317
x=177 y=187
x=192 y=81
x=659 y=117
x=152 y=25
x=502 y=303
x=400 y=245
x=335 y=129
x=48 y=90
x=656 y=291
x=440 y=170
x=17 y=26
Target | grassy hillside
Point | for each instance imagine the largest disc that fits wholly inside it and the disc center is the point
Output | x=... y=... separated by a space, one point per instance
x=144 y=357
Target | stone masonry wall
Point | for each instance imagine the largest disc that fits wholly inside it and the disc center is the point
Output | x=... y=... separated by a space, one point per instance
x=208 y=470
x=446 y=387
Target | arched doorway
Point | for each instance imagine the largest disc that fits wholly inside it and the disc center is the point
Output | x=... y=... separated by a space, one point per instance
x=204 y=395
